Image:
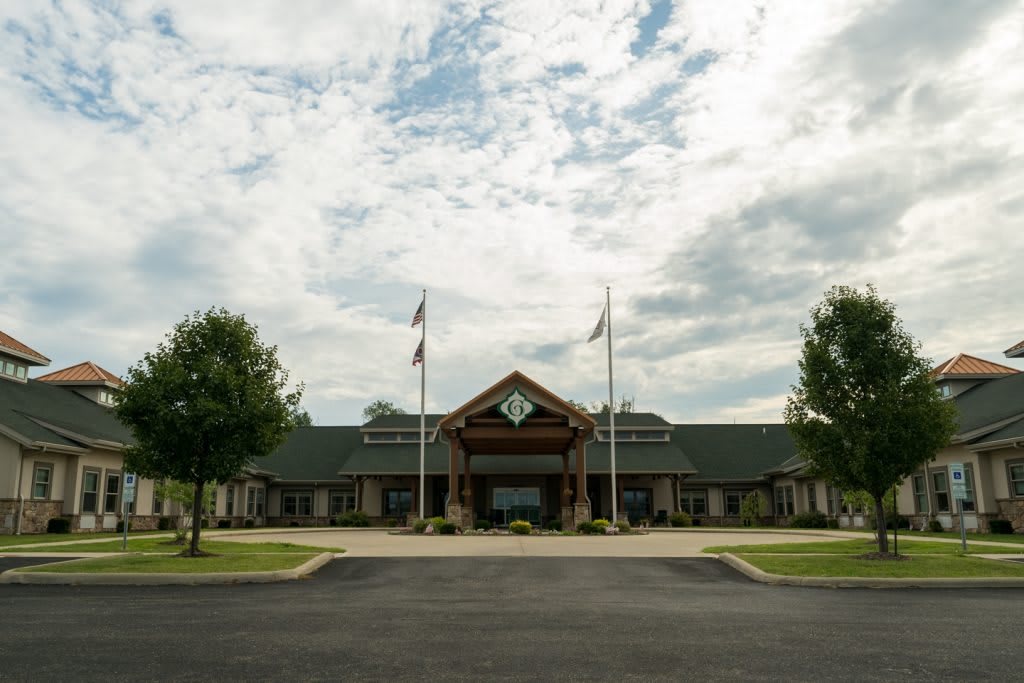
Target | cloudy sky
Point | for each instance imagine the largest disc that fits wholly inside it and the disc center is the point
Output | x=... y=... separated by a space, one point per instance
x=314 y=165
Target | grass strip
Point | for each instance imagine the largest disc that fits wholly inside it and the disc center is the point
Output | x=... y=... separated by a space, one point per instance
x=858 y=546
x=997 y=538
x=158 y=564
x=32 y=539
x=918 y=567
x=160 y=545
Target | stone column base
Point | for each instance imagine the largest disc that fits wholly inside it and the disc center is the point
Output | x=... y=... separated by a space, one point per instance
x=581 y=513
x=454 y=514
x=623 y=516
x=568 y=522
x=411 y=518
x=467 y=518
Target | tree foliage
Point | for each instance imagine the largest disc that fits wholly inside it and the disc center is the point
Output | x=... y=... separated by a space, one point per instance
x=865 y=412
x=301 y=417
x=753 y=507
x=205 y=403
x=626 y=404
x=182 y=494
x=381 y=407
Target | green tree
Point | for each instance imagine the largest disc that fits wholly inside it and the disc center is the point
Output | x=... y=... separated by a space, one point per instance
x=626 y=404
x=579 y=405
x=204 y=403
x=752 y=508
x=381 y=407
x=865 y=412
x=182 y=494
x=301 y=417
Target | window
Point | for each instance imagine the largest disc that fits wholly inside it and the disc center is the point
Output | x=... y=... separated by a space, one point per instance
x=158 y=502
x=395 y=437
x=90 y=491
x=297 y=504
x=213 y=501
x=920 y=493
x=833 y=500
x=784 y=500
x=694 y=503
x=733 y=502
x=250 y=501
x=969 y=489
x=812 y=498
x=945 y=391
x=340 y=502
x=638 y=504
x=229 y=501
x=634 y=435
x=12 y=369
x=397 y=502
x=1016 y=478
x=940 y=485
x=259 y=502
x=111 y=496
x=41 y=480
x=107 y=397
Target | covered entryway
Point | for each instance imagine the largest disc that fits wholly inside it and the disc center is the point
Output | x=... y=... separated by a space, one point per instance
x=517 y=418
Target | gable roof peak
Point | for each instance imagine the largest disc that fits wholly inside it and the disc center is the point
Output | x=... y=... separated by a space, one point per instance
x=965 y=366
x=13 y=347
x=85 y=373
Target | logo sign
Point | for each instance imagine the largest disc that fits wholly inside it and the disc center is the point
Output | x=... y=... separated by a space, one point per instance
x=956 y=473
x=516 y=408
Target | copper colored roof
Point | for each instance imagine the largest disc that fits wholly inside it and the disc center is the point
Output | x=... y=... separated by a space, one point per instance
x=12 y=344
x=962 y=365
x=83 y=373
x=1015 y=350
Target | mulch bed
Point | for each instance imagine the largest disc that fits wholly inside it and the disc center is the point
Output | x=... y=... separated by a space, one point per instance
x=883 y=556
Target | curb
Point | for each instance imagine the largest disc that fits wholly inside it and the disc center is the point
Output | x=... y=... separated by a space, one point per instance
x=217 y=578
x=756 y=574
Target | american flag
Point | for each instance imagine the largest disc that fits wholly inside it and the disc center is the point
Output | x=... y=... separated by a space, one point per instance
x=417 y=358
x=417 y=318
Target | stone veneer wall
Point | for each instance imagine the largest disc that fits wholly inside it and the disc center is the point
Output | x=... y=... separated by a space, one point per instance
x=35 y=516
x=1013 y=510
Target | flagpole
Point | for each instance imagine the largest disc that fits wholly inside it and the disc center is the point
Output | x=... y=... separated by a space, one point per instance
x=423 y=394
x=611 y=406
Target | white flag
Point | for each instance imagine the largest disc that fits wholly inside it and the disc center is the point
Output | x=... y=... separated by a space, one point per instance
x=599 y=329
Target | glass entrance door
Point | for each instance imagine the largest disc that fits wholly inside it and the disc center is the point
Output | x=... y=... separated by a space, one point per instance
x=511 y=504
x=638 y=504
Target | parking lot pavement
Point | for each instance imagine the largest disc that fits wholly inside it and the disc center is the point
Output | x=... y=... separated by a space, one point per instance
x=17 y=562
x=507 y=618
x=380 y=543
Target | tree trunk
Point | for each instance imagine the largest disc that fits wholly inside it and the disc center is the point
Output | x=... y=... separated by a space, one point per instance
x=880 y=522
x=197 y=519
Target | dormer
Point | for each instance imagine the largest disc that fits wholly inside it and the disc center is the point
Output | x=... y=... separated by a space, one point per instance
x=16 y=359
x=394 y=429
x=962 y=372
x=89 y=380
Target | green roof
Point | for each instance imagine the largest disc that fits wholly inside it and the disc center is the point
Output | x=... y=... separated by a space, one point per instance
x=734 y=452
x=312 y=453
x=990 y=402
x=403 y=421
x=24 y=405
x=626 y=420
x=1014 y=430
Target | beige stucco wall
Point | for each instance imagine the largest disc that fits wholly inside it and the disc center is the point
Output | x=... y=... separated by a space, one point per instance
x=10 y=456
x=58 y=462
x=997 y=468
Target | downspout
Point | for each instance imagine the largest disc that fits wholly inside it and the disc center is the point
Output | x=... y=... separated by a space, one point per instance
x=21 y=496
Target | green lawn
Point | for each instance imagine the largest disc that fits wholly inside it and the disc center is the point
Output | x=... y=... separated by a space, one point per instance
x=1000 y=538
x=160 y=545
x=921 y=566
x=31 y=539
x=152 y=564
x=857 y=546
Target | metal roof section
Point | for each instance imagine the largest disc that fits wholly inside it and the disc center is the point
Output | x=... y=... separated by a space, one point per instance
x=83 y=374
x=963 y=366
x=1015 y=351
x=13 y=347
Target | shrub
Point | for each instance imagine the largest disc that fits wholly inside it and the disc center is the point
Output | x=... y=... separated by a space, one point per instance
x=996 y=526
x=554 y=525
x=437 y=522
x=600 y=525
x=696 y=521
x=447 y=529
x=623 y=526
x=223 y=523
x=752 y=508
x=934 y=525
x=120 y=526
x=391 y=523
x=809 y=520
x=420 y=525
x=520 y=527
x=585 y=528
x=482 y=525
x=292 y=523
x=166 y=524
x=570 y=533
x=332 y=521
x=833 y=523
x=353 y=518
x=891 y=521
x=680 y=519
x=58 y=525
x=250 y=523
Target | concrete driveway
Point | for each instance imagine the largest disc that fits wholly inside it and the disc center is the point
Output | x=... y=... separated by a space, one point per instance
x=381 y=543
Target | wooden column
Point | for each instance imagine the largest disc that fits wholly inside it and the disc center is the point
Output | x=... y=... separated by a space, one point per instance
x=467 y=477
x=566 y=500
x=581 y=471
x=415 y=494
x=453 y=471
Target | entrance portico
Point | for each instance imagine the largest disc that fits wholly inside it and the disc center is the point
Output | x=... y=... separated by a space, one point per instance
x=517 y=417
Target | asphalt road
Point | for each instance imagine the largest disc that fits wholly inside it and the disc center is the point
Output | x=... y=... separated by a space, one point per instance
x=509 y=619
